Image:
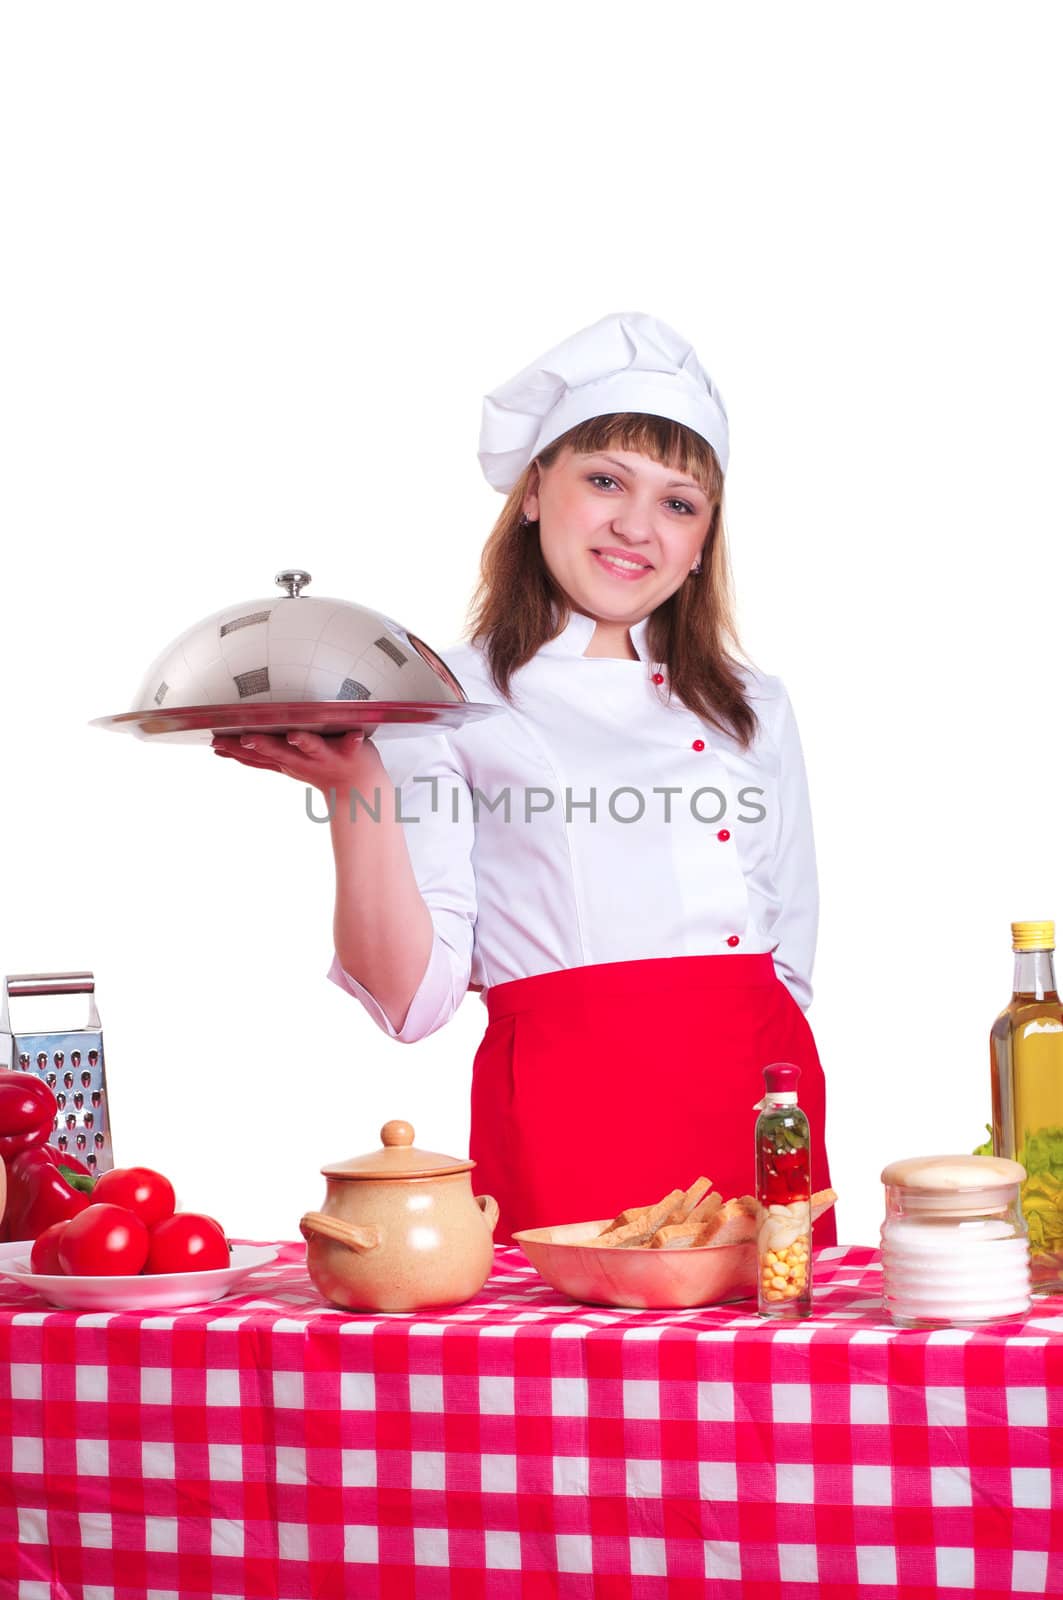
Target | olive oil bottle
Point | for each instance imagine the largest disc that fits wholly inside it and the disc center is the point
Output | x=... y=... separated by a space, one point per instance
x=1026 y=1057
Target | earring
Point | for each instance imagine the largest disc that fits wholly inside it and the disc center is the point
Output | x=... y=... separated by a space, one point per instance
x=696 y=568
x=524 y=520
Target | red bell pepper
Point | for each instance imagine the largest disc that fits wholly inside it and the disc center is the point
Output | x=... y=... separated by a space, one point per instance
x=62 y=1158
x=27 y=1112
x=785 y=1176
x=42 y=1189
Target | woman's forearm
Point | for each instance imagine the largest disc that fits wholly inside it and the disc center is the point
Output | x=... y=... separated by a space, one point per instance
x=382 y=928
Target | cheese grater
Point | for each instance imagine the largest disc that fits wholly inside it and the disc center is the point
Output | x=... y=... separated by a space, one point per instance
x=70 y=1063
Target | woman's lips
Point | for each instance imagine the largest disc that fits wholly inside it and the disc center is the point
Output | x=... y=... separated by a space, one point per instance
x=611 y=563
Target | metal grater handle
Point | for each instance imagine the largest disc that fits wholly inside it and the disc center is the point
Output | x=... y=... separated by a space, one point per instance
x=50 y=983
x=20 y=984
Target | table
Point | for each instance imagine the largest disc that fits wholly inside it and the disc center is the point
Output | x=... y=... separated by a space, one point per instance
x=522 y=1445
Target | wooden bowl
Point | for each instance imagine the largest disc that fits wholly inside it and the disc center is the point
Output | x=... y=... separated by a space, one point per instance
x=608 y=1275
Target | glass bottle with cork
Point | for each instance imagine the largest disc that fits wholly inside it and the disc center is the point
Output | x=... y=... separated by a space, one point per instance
x=1026 y=1058
x=784 y=1189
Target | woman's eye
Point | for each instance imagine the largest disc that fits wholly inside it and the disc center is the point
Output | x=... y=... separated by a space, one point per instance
x=600 y=477
x=682 y=506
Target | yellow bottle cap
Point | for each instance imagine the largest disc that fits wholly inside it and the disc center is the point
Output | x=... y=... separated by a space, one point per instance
x=1033 y=936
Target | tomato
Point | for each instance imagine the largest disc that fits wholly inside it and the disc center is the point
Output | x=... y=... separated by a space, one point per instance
x=188 y=1242
x=109 y=1241
x=146 y=1193
x=44 y=1257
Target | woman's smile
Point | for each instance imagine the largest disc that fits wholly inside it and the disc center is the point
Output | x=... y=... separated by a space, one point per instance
x=619 y=564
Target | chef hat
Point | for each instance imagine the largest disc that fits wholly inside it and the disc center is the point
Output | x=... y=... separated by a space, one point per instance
x=626 y=362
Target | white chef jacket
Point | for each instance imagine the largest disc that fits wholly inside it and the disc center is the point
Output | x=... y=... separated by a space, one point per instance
x=596 y=863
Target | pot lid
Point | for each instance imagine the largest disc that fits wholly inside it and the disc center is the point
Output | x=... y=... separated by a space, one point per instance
x=399 y=1158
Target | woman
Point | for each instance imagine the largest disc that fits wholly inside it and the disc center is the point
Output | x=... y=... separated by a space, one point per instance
x=623 y=863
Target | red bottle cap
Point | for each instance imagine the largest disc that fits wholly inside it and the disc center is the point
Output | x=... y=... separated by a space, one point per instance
x=781 y=1077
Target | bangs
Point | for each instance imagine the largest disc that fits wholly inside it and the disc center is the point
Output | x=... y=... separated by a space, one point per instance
x=667 y=442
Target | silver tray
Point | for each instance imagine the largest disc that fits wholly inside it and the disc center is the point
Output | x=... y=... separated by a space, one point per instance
x=389 y=718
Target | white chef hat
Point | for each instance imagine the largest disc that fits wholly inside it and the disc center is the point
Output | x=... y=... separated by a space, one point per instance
x=626 y=362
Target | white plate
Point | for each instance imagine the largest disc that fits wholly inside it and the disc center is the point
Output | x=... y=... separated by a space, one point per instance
x=155 y=1291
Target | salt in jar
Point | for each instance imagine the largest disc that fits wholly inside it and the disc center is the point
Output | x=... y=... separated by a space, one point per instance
x=955 y=1252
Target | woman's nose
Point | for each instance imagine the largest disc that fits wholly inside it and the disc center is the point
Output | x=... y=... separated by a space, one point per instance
x=633 y=522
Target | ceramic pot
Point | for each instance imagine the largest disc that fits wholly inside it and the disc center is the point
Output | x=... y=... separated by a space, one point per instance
x=399 y=1229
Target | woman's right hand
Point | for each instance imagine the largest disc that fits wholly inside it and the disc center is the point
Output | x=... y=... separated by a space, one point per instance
x=341 y=762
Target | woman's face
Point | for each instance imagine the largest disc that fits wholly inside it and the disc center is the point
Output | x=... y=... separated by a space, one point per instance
x=619 y=532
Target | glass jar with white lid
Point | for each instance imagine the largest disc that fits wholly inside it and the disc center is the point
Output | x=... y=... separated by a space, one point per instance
x=955 y=1251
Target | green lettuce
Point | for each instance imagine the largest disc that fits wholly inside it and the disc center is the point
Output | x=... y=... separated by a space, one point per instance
x=1042 y=1193
x=1043 y=1152
x=1042 y=1204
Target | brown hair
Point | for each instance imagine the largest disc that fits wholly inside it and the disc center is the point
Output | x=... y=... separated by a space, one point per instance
x=513 y=609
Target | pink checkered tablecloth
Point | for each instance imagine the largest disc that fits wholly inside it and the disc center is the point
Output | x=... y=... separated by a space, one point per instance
x=522 y=1445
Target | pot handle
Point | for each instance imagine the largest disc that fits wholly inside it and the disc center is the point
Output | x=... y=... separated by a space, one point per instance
x=360 y=1240
x=489 y=1206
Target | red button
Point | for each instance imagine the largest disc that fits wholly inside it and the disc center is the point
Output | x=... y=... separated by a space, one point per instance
x=733 y=940
x=724 y=834
x=658 y=677
x=699 y=744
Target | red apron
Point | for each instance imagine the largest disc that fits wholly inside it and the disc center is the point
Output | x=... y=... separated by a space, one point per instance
x=601 y=1087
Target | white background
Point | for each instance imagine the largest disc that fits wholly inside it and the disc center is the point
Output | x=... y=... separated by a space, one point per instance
x=261 y=262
